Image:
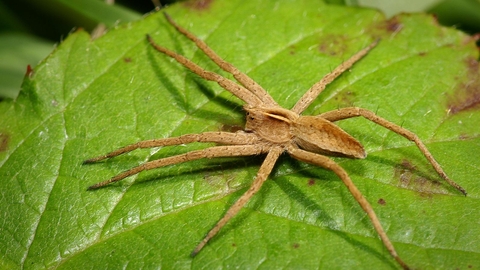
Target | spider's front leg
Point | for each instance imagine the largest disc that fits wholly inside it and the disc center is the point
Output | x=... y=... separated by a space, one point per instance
x=350 y=112
x=240 y=144
x=229 y=85
x=317 y=88
x=206 y=137
x=241 y=77
x=212 y=152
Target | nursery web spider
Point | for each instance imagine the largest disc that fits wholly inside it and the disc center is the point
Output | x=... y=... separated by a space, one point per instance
x=273 y=130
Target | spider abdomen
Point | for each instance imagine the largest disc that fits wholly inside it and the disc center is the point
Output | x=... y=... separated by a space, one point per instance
x=321 y=136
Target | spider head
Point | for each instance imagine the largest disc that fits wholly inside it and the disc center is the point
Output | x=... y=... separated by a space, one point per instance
x=270 y=123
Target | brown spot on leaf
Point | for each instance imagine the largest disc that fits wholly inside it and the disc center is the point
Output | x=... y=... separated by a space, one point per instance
x=387 y=27
x=127 y=60
x=472 y=64
x=293 y=49
x=4 y=139
x=410 y=178
x=464 y=137
x=198 y=4
x=311 y=182
x=296 y=245
x=467 y=94
x=29 y=73
x=393 y=25
x=333 y=45
x=345 y=98
x=215 y=179
x=381 y=201
x=473 y=38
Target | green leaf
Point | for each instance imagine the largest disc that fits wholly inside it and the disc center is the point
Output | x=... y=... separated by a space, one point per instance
x=91 y=97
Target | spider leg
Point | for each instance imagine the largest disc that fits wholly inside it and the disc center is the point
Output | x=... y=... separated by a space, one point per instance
x=261 y=177
x=212 y=152
x=355 y=112
x=317 y=88
x=329 y=164
x=241 y=77
x=229 y=85
x=213 y=137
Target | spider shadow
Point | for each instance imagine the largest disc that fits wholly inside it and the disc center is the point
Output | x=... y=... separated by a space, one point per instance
x=217 y=99
x=154 y=57
x=205 y=167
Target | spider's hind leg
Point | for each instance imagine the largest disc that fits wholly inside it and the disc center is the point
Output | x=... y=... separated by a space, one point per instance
x=329 y=164
x=350 y=112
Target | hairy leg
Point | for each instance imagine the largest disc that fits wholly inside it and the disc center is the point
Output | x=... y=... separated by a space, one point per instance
x=241 y=77
x=238 y=138
x=261 y=177
x=229 y=85
x=329 y=164
x=317 y=88
x=350 y=112
x=212 y=152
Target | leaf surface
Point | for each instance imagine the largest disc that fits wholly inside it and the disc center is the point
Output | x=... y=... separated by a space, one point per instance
x=91 y=97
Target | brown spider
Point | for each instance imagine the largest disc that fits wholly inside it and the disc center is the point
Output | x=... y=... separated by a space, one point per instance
x=273 y=130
